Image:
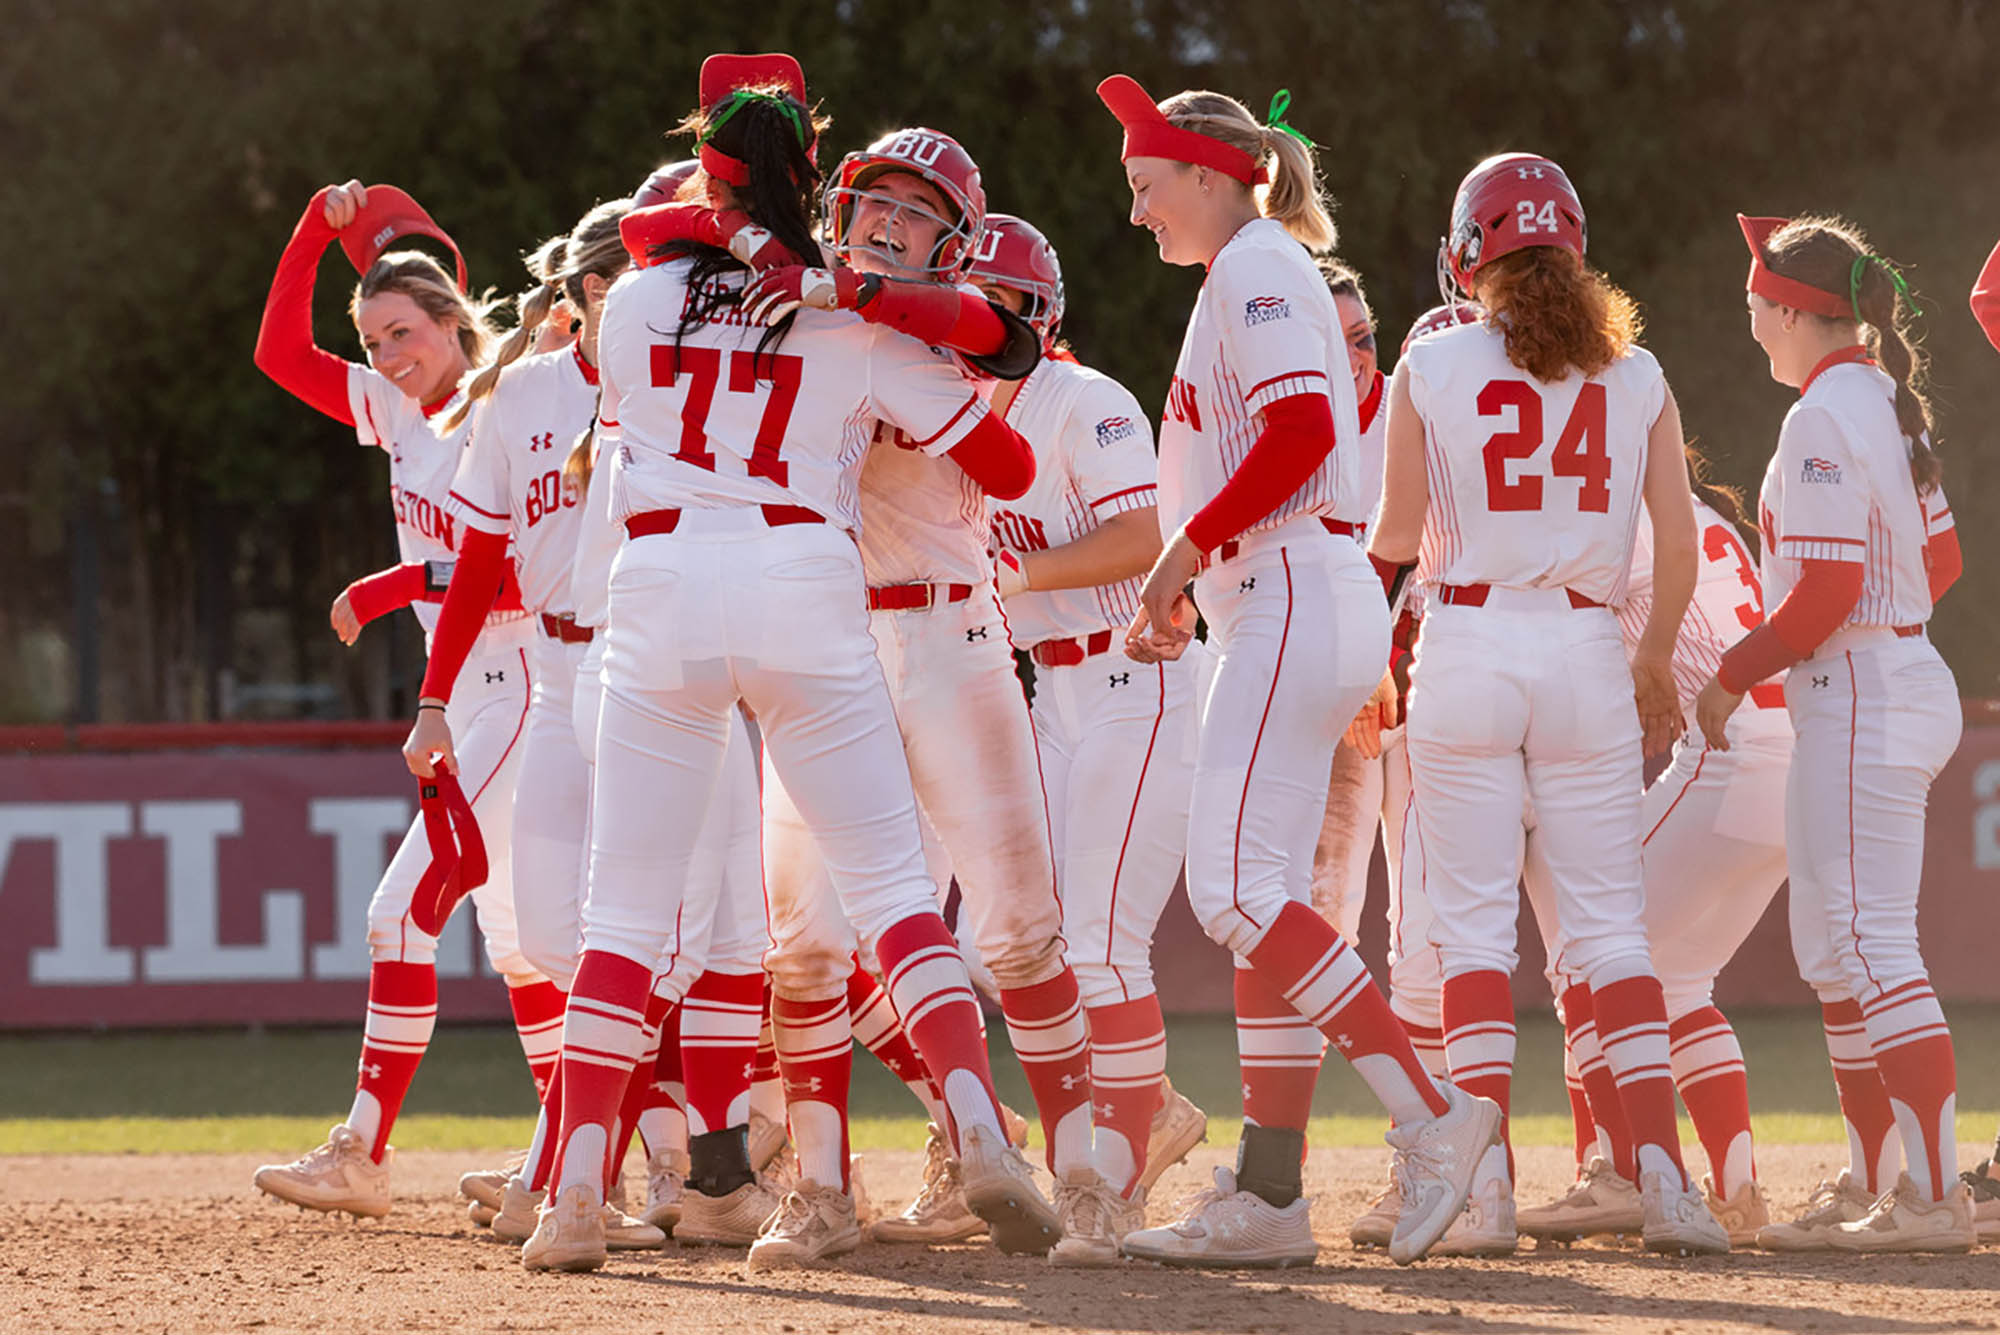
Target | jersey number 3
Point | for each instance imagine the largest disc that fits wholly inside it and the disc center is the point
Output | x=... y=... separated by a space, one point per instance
x=1580 y=449
x=703 y=369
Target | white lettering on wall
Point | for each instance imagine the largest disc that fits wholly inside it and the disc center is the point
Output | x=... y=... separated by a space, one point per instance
x=358 y=825
x=82 y=832
x=194 y=951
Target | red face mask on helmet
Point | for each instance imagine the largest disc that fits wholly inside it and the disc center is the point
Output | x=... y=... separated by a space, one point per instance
x=1507 y=203
x=931 y=156
x=1015 y=255
x=1442 y=317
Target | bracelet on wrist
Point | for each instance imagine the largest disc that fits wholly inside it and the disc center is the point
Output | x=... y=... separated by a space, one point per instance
x=421 y=708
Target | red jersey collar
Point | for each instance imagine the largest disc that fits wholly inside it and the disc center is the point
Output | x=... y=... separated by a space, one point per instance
x=589 y=371
x=1856 y=353
x=1373 y=403
x=433 y=409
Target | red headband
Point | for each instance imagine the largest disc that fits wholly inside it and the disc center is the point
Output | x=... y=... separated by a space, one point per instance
x=391 y=213
x=458 y=854
x=1776 y=287
x=722 y=75
x=1149 y=134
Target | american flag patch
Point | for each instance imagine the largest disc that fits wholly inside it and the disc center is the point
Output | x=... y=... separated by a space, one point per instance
x=1819 y=470
x=1113 y=429
x=1261 y=310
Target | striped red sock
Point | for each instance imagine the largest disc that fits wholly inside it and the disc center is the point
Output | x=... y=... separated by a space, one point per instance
x=877 y=1028
x=637 y=1087
x=541 y=1162
x=1913 y=1051
x=1632 y=1030
x=538 y=1019
x=1606 y=1110
x=604 y=1031
x=402 y=1012
x=1428 y=1041
x=927 y=984
x=1479 y=1039
x=1045 y=1020
x=1713 y=1083
x=1873 y=1143
x=816 y=1055
x=1128 y=1060
x=1278 y=1052
x=662 y=1116
x=721 y=1017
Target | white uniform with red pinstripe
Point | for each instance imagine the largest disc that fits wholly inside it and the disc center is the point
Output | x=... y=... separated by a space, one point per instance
x=1877 y=715
x=488 y=712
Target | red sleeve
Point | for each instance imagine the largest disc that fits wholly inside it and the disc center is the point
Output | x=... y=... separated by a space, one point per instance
x=474 y=582
x=1986 y=299
x=644 y=230
x=942 y=316
x=997 y=458
x=386 y=591
x=285 y=348
x=1815 y=608
x=1298 y=435
x=1944 y=562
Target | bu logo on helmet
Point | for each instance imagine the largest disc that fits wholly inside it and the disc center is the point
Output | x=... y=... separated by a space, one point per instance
x=920 y=148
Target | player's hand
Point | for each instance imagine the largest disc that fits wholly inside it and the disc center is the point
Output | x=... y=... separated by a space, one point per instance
x=1377 y=716
x=755 y=246
x=776 y=293
x=1660 y=719
x=1712 y=709
x=345 y=624
x=1164 y=624
x=1009 y=575
x=428 y=747
x=343 y=203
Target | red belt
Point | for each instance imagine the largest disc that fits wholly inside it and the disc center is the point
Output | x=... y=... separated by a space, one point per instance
x=1070 y=651
x=1228 y=551
x=1907 y=632
x=565 y=629
x=666 y=521
x=1474 y=595
x=915 y=597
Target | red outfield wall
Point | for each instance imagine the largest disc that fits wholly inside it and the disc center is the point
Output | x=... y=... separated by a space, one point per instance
x=221 y=876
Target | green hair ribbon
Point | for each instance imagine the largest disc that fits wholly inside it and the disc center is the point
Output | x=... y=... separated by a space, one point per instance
x=742 y=98
x=1859 y=267
x=1274 y=119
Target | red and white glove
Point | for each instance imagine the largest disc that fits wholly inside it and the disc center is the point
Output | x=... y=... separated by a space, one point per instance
x=644 y=229
x=1009 y=575
x=776 y=293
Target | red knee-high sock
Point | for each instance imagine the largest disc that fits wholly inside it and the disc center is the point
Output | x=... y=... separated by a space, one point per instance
x=816 y=1055
x=1709 y=1072
x=877 y=1028
x=538 y=1019
x=1278 y=1052
x=402 y=1012
x=1919 y=1071
x=637 y=1088
x=1479 y=1039
x=1632 y=1030
x=1872 y=1140
x=1128 y=1060
x=1600 y=1087
x=1428 y=1041
x=720 y=1019
x=1583 y=1129
x=541 y=1163
x=929 y=988
x=663 y=1116
x=604 y=1031
x=1325 y=981
x=1045 y=1020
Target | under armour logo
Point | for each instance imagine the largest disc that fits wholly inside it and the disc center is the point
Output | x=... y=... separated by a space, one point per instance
x=372 y=1070
x=1526 y=172
x=1121 y=678
x=811 y=1086
x=976 y=633
x=545 y=441
x=1072 y=1081
x=1819 y=681
x=1343 y=1042
x=1105 y=1111
x=492 y=677
x=1247 y=585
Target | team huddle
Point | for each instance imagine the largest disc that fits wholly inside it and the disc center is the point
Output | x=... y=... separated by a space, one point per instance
x=724 y=554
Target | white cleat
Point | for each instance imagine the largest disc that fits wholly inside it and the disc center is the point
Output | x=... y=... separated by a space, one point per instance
x=1677 y=1218
x=1435 y=1163
x=1377 y=1224
x=569 y=1235
x=1178 y=1126
x=666 y=1186
x=1831 y=1204
x=519 y=1212
x=1486 y=1226
x=735 y=1220
x=338 y=1176
x=487 y=1185
x=1095 y=1218
x=939 y=1213
x=623 y=1233
x=767 y=1137
x=864 y=1209
x=1600 y=1202
x=1000 y=1188
x=1901 y=1220
x=1016 y=1125
x=1742 y=1216
x=1226 y=1229
x=811 y=1224
x=482 y=1215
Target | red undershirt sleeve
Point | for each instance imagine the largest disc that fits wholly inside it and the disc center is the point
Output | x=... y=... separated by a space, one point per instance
x=386 y=591
x=1946 y=563
x=1298 y=435
x=285 y=348
x=474 y=584
x=1816 y=607
x=1986 y=299
x=996 y=456
x=940 y=315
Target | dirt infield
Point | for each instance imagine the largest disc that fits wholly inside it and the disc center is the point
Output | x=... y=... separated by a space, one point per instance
x=181 y=1243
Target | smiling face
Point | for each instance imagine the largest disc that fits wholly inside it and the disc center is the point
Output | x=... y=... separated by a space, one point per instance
x=420 y=355
x=1359 y=329
x=899 y=218
x=1168 y=201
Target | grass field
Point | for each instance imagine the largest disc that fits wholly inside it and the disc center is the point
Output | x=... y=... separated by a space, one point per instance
x=252 y=1091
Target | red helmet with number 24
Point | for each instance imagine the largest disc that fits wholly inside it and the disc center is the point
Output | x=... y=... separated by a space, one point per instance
x=1014 y=254
x=1507 y=203
x=932 y=156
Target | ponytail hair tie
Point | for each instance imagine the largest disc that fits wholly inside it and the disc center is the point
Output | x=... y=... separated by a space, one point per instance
x=1859 y=267
x=1274 y=119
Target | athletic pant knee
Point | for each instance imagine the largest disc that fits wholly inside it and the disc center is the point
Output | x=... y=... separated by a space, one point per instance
x=1024 y=964
x=559 y=967
x=1627 y=951
x=1102 y=984
x=807 y=972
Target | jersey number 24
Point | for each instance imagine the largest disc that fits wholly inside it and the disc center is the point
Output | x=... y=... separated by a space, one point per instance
x=1579 y=453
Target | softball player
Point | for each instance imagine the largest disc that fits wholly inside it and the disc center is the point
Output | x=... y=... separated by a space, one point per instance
x=1262 y=507
x=422 y=334
x=1519 y=453
x=739 y=581
x=1858 y=545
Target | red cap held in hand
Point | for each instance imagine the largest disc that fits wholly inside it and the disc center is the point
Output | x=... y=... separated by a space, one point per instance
x=458 y=854
x=391 y=213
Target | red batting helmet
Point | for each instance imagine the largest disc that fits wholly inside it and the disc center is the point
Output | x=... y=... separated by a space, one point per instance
x=1014 y=254
x=1442 y=317
x=931 y=156
x=1508 y=203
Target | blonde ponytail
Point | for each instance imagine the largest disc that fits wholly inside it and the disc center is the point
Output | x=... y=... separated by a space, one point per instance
x=1293 y=196
x=533 y=307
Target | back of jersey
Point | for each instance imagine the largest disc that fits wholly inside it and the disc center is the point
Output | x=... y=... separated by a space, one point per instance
x=1532 y=484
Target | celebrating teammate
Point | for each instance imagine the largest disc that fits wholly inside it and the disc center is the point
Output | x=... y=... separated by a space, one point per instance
x=1519 y=453
x=1858 y=546
x=1258 y=502
x=422 y=334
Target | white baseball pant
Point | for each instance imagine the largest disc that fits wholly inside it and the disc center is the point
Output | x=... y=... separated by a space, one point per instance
x=551 y=809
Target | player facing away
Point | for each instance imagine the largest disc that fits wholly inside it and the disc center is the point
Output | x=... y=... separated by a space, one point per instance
x=422 y=334
x=1257 y=497
x=1116 y=739
x=1520 y=452
x=1858 y=546
x=736 y=477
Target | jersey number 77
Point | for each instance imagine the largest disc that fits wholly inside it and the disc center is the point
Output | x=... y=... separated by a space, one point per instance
x=749 y=372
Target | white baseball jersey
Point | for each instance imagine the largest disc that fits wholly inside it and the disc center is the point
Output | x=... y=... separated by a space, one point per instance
x=1374 y=448
x=1093 y=459
x=1263 y=329
x=923 y=518
x=510 y=475
x=1532 y=485
x=597 y=537
x=421 y=464
x=1839 y=489
x=708 y=422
